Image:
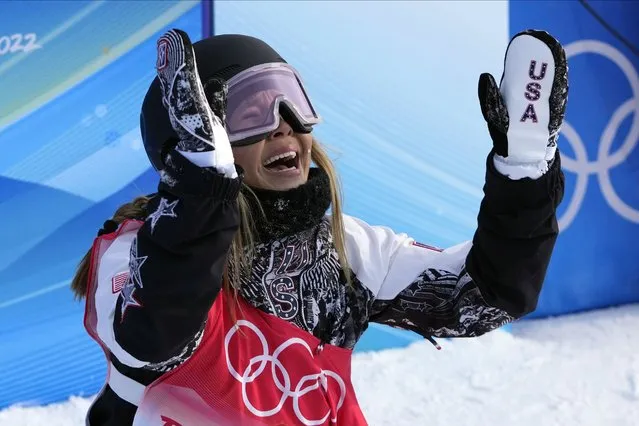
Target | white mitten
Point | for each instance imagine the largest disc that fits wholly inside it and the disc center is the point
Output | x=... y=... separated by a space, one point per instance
x=525 y=113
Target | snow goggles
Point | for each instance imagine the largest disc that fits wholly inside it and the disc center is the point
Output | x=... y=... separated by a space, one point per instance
x=259 y=95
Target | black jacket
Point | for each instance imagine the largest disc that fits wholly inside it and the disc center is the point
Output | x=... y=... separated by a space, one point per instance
x=180 y=253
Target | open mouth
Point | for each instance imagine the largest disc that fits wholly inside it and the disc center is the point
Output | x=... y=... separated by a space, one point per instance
x=284 y=162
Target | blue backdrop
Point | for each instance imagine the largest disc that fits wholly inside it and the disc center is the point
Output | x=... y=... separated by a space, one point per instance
x=398 y=97
x=596 y=261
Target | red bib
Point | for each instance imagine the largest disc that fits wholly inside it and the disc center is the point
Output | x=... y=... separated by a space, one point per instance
x=260 y=370
x=255 y=370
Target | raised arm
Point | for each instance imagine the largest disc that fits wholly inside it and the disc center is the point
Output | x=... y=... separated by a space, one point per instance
x=478 y=286
x=177 y=259
x=471 y=288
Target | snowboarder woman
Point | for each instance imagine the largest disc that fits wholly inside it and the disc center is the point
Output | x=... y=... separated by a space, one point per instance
x=233 y=296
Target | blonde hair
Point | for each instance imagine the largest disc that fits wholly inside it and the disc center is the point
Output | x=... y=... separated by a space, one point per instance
x=239 y=257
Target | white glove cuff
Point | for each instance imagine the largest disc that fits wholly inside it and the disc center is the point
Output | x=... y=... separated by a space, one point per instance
x=520 y=170
x=517 y=171
x=210 y=159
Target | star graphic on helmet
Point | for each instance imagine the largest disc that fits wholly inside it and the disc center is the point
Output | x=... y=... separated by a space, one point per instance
x=164 y=209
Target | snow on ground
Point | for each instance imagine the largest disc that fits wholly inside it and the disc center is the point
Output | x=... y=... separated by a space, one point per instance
x=575 y=370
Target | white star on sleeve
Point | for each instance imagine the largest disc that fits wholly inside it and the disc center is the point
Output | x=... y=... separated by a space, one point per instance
x=164 y=209
x=128 y=298
x=135 y=263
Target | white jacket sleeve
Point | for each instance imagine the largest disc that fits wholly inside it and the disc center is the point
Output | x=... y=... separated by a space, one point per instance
x=474 y=287
x=417 y=287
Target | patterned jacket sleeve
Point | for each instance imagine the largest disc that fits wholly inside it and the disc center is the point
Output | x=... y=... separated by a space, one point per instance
x=472 y=288
x=176 y=265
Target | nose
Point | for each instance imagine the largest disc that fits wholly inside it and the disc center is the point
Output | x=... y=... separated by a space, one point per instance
x=284 y=129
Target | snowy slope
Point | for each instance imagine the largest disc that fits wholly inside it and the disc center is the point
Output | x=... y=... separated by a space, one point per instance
x=575 y=370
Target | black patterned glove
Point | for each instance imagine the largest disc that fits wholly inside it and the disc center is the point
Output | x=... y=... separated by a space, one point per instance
x=199 y=128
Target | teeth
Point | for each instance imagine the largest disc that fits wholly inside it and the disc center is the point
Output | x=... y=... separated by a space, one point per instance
x=284 y=169
x=291 y=154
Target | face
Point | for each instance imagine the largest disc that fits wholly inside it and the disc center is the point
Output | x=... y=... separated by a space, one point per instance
x=279 y=162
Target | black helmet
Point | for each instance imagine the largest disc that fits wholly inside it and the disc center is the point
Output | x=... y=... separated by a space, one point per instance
x=220 y=57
